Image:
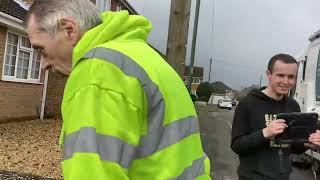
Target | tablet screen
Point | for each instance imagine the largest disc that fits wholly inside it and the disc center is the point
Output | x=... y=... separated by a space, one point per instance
x=300 y=126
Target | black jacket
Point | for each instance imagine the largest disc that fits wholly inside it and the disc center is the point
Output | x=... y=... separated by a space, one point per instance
x=257 y=160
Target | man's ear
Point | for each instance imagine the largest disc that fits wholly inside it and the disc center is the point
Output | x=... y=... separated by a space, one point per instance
x=268 y=72
x=70 y=29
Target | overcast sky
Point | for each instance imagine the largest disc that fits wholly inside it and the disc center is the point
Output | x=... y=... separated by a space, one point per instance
x=245 y=34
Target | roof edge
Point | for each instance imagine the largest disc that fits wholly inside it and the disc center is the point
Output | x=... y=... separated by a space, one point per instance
x=23 y=4
x=11 y=21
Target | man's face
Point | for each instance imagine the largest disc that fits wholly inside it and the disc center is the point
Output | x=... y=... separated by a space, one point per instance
x=282 y=78
x=56 y=52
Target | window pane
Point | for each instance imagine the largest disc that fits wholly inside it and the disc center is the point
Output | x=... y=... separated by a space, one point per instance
x=23 y=64
x=14 y=50
x=35 y=65
x=11 y=70
x=9 y=49
x=12 y=39
x=19 y=72
x=13 y=60
x=20 y=62
x=11 y=52
x=36 y=75
x=25 y=42
x=32 y=74
x=15 y=39
x=25 y=73
x=7 y=60
x=6 y=70
x=27 y=55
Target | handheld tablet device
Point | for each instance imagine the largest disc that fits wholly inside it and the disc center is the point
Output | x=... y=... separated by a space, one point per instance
x=300 y=126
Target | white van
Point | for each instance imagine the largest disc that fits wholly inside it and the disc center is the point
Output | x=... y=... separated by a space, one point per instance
x=307 y=91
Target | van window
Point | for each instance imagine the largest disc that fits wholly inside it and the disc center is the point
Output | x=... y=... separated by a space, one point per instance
x=318 y=79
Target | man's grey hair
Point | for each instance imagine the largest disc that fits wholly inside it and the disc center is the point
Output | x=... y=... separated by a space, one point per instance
x=49 y=12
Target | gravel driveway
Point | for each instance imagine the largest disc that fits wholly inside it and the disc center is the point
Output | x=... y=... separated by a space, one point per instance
x=30 y=147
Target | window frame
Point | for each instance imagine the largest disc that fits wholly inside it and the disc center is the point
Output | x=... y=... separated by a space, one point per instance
x=185 y=79
x=30 y=50
x=196 y=80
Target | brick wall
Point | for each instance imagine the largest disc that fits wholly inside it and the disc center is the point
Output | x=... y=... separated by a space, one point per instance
x=17 y=100
x=194 y=86
x=56 y=84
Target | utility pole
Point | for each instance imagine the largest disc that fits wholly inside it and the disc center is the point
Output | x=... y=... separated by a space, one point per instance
x=178 y=35
x=212 y=20
x=210 y=70
x=260 y=79
x=194 y=43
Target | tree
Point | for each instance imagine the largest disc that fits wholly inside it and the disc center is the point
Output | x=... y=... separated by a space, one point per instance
x=204 y=91
x=245 y=91
x=193 y=97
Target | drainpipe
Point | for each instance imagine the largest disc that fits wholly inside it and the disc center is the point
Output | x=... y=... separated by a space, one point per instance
x=44 y=94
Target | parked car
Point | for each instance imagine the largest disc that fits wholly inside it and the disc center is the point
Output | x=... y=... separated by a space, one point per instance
x=225 y=103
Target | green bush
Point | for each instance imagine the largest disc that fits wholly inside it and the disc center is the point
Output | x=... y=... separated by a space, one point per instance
x=193 y=97
x=204 y=91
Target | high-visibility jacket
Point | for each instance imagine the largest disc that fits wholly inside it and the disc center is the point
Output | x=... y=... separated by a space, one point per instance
x=126 y=113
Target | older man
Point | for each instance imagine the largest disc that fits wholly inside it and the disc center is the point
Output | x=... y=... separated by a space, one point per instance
x=126 y=113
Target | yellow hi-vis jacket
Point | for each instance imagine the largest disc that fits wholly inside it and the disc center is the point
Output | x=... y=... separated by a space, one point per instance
x=126 y=113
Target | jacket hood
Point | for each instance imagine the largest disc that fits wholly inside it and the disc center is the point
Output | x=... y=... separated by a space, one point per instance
x=114 y=26
x=258 y=93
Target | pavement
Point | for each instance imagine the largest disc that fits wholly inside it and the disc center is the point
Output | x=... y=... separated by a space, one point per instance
x=215 y=128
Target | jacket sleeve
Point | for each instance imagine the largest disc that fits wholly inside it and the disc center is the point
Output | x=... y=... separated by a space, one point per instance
x=102 y=130
x=243 y=140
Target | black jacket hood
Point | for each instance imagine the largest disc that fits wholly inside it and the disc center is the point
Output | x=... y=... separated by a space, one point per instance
x=258 y=93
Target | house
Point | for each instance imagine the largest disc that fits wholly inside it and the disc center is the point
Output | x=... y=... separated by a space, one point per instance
x=231 y=94
x=215 y=98
x=196 y=79
x=21 y=80
x=26 y=91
